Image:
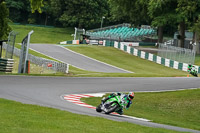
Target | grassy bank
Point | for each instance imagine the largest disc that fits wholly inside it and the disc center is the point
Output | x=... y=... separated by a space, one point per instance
x=140 y=67
x=197 y=60
x=43 y=35
x=178 y=108
x=22 y=118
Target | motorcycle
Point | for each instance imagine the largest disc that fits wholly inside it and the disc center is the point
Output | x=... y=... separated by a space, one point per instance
x=193 y=71
x=112 y=105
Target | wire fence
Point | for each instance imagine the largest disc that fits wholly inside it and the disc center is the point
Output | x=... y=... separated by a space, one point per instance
x=10 y=45
x=182 y=55
x=45 y=63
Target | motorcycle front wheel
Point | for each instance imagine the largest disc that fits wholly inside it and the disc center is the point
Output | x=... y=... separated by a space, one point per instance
x=98 y=108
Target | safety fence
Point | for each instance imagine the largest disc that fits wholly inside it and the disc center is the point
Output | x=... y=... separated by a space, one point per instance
x=45 y=63
x=10 y=45
x=176 y=53
x=151 y=57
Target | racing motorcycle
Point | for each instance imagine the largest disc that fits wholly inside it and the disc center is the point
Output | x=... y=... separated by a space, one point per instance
x=193 y=71
x=112 y=105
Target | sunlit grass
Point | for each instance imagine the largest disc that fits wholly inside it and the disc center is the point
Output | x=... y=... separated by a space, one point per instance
x=42 y=34
x=115 y=57
x=22 y=118
x=178 y=108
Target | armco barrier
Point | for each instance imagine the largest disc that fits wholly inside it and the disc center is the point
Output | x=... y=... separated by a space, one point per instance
x=152 y=57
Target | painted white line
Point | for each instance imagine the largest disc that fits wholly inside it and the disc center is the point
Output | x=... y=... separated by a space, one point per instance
x=136 y=118
x=96 y=60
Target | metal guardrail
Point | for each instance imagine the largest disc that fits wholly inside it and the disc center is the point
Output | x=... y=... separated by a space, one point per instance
x=6 y=65
x=56 y=66
x=11 y=44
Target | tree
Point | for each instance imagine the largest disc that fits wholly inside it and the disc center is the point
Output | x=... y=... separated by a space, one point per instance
x=196 y=28
x=80 y=13
x=4 y=27
x=134 y=11
x=18 y=9
x=186 y=11
x=4 y=14
x=190 y=11
x=181 y=12
x=162 y=13
x=36 y=5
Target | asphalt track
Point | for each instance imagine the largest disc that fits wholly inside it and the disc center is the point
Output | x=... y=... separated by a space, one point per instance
x=48 y=91
x=76 y=59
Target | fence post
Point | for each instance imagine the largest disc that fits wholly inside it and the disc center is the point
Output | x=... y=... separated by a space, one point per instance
x=24 y=53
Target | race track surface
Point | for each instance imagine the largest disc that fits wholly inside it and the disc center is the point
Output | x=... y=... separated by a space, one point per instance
x=48 y=91
x=76 y=59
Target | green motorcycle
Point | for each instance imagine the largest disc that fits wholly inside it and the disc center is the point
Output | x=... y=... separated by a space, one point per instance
x=193 y=70
x=113 y=104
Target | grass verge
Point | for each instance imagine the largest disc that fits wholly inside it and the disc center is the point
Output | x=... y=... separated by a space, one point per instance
x=197 y=60
x=42 y=34
x=178 y=108
x=140 y=67
x=17 y=117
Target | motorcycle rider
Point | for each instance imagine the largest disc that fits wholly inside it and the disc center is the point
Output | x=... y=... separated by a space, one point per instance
x=189 y=67
x=129 y=97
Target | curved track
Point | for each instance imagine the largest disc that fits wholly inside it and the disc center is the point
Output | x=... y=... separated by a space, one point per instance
x=47 y=91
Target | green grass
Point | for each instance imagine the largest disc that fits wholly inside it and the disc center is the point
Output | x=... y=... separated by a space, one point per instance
x=178 y=108
x=140 y=67
x=22 y=118
x=43 y=35
x=197 y=60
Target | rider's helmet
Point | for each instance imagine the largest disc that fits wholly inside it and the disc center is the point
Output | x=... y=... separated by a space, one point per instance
x=131 y=95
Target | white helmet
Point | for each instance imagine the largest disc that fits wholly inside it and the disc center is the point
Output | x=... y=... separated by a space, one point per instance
x=131 y=95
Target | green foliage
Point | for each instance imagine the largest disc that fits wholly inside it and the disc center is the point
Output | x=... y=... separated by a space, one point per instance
x=186 y=9
x=162 y=14
x=79 y=13
x=4 y=27
x=17 y=9
x=36 y=5
x=134 y=11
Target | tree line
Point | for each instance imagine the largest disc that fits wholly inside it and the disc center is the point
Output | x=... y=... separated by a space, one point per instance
x=166 y=15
